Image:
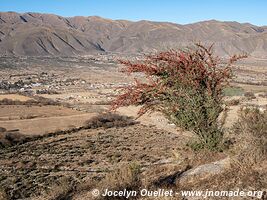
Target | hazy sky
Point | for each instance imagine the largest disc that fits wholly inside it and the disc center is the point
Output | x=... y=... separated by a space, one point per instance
x=182 y=12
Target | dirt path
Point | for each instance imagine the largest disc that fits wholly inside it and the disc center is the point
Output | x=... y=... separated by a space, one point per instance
x=155 y=119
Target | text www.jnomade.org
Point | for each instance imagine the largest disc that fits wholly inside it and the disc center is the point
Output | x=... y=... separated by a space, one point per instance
x=171 y=193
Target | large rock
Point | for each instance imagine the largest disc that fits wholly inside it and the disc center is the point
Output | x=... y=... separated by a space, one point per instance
x=204 y=171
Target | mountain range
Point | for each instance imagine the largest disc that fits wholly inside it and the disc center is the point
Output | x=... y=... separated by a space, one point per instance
x=35 y=34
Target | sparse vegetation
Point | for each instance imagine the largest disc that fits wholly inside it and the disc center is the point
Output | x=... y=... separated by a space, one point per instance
x=187 y=86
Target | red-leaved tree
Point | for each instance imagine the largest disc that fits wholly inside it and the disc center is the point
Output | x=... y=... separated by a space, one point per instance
x=185 y=85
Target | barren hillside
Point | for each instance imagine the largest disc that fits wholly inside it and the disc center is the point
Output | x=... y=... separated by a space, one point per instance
x=36 y=34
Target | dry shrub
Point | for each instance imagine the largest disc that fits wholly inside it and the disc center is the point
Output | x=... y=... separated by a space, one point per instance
x=249 y=95
x=126 y=177
x=233 y=102
x=251 y=135
x=11 y=138
x=2 y=129
x=108 y=120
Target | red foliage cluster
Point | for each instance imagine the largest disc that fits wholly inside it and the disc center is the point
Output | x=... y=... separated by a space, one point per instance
x=168 y=72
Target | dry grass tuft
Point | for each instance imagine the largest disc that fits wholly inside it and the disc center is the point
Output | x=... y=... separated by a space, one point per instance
x=59 y=191
x=126 y=177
